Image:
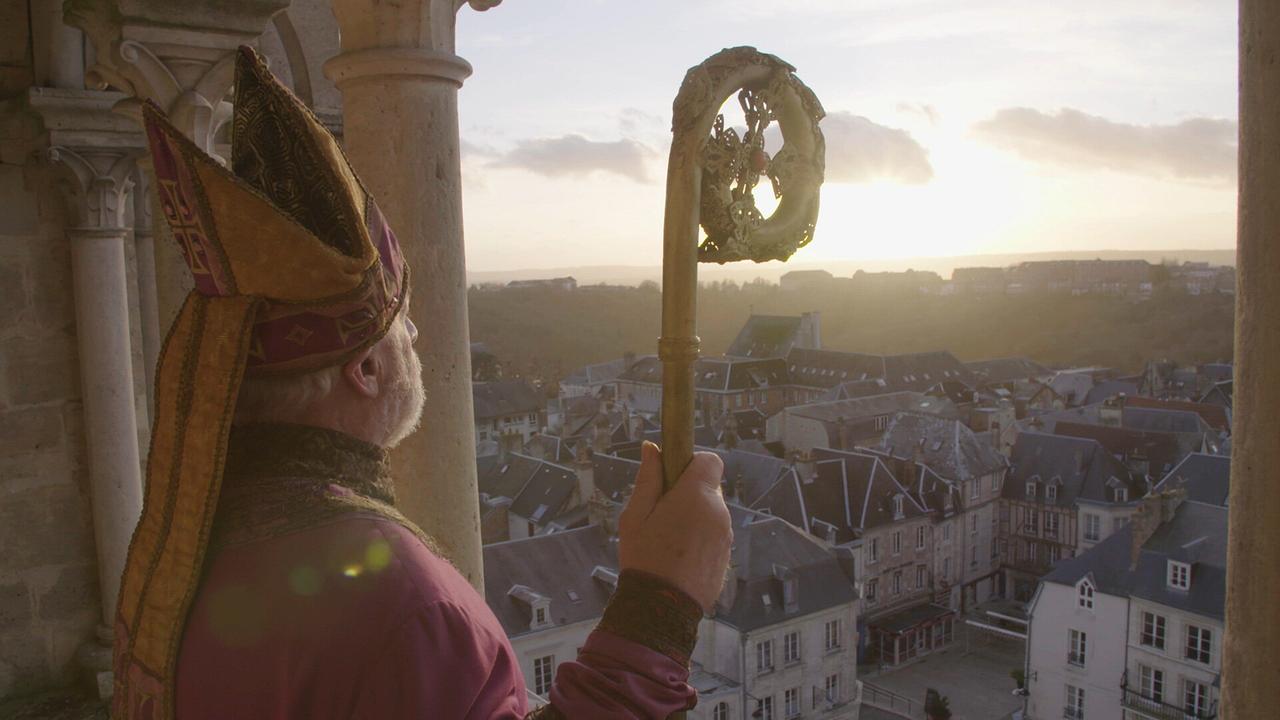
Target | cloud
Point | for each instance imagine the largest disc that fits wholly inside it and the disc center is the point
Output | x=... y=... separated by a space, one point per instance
x=859 y=151
x=1194 y=149
x=633 y=121
x=929 y=112
x=575 y=155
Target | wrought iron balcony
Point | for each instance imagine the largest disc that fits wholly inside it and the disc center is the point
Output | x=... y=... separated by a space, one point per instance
x=1160 y=710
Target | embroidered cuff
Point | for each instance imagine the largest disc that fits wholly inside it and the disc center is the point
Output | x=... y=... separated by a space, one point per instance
x=648 y=610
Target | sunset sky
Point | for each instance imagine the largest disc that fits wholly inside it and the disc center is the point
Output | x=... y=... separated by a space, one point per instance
x=954 y=127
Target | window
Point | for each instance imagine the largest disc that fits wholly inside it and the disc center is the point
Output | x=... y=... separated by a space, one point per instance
x=721 y=711
x=832 y=687
x=791 y=702
x=543 y=670
x=974 y=489
x=764 y=656
x=897 y=506
x=1092 y=527
x=533 y=417
x=1033 y=522
x=896 y=587
x=1085 y=598
x=832 y=635
x=973 y=524
x=1179 y=575
x=871 y=591
x=919 y=577
x=1195 y=698
x=946 y=533
x=1122 y=494
x=1075 y=703
x=1199 y=644
x=540 y=615
x=1051 y=524
x=973 y=555
x=1152 y=630
x=764 y=708
x=895 y=542
x=995 y=482
x=1151 y=683
x=1031 y=489
x=920 y=538
x=791 y=648
x=1051 y=492
x=873 y=553
x=946 y=568
x=882 y=422
x=1076 y=645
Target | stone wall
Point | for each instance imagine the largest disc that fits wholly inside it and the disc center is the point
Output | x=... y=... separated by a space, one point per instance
x=48 y=577
x=49 y=604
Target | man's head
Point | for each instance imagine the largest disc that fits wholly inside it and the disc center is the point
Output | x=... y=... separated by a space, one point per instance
x=376 y=396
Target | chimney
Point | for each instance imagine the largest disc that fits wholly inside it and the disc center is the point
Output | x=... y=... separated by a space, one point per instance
x=628 y=359
x=635 y=431
x=1154 y=510
x=600 y=437
x=729 y=438
x=1112 y=411
x=584 y=468
x=603 y=513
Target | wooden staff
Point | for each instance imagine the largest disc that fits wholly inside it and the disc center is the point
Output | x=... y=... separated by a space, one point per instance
x=710 y=177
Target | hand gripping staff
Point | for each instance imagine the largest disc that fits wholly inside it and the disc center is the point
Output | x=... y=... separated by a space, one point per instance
x=711 y=174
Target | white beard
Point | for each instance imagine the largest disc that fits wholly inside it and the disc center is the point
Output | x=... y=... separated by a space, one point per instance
x=405 y=399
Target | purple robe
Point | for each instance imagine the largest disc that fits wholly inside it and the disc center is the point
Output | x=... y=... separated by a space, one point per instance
x=353 y=616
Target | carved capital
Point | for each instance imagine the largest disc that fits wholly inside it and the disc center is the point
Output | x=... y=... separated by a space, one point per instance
x=179 y=54
x=95 y=183
x=418 y=24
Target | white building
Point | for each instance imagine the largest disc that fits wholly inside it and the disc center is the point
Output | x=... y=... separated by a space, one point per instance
x=1132 y=629
x=782 y=639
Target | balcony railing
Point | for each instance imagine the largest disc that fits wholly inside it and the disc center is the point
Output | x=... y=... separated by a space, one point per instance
x=1159 y=710
x=1075 y=658
x=1073 y=713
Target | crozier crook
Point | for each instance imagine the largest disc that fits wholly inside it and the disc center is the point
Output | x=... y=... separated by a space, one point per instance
x=710 y=177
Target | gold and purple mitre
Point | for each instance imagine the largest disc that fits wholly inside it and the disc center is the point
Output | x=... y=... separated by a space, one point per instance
x=295 y=269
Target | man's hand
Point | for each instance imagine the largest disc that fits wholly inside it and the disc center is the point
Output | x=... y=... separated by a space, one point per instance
x=683 y=536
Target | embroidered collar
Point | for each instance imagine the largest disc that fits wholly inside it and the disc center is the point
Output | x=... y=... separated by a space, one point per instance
x=265 y=454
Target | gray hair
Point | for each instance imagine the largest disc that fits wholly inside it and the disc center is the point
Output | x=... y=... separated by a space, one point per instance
x=280 y=398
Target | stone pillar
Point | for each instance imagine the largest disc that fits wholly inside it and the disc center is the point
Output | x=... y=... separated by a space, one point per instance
x=180 y=55
x=59 y=48
x=1249 y=689
x=96 y=181
x=399 y=80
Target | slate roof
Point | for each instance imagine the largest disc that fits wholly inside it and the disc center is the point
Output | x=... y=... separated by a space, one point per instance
x=1197 y=534
x=750 y=474
x=552 y=566
x=500 y=398
x=596 y=373
x=506 y=476
x=949 y=447
x=764 y=548
x=854 y=409
x=717 y=374
x=1003 y=370
x=913 y=371
x=546 y=494
x=1081 y=468
x=1108 y=389
x=850 y=491
x=1216 y=416
x=1074 y=387
x=1161 y=450
x=551 y=447
x=1206 y=478
x=614 y=476
x=764 y=336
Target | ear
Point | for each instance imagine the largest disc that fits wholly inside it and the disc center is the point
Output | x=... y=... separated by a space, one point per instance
x=362 y=373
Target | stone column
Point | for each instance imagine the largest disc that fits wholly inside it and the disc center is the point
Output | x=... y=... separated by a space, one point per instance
x=96 y=181
x=399 y=79
x=1249 y=689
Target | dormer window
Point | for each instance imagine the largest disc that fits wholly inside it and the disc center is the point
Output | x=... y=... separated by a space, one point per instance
x=1179 y=575
x=540 y=616
x=1031 y=489
x=897 y=507
x=1122 y=494
x=1051 y=493
x=1084 y=596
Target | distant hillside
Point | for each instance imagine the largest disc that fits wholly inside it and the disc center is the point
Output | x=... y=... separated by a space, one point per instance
x=744 y=272
x=545 y=334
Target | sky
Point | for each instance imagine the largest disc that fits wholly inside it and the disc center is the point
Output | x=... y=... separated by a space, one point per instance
x=954 y=127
